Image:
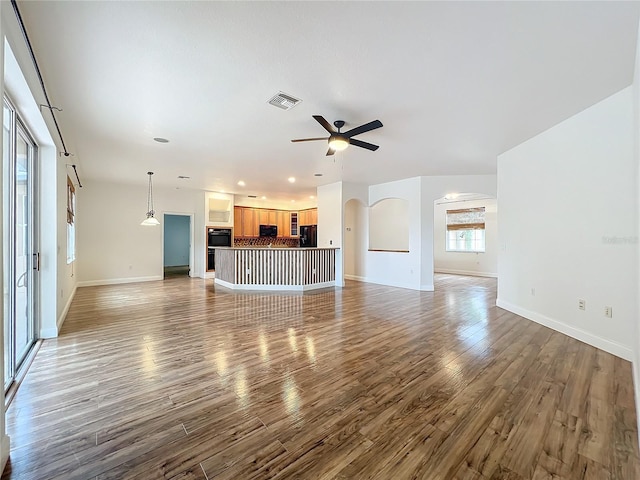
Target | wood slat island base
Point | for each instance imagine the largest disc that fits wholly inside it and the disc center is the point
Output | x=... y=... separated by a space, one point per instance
x=275 y=268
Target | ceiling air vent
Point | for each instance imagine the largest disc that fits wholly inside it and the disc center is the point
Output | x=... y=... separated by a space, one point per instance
x=284 y=101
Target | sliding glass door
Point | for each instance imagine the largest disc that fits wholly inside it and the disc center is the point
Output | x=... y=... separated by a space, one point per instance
x=19 y=245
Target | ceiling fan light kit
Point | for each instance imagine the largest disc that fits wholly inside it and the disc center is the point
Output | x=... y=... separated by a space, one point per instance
x=338 y=140
x=337 y=143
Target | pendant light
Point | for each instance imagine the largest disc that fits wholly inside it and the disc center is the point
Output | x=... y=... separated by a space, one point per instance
x=150 y=220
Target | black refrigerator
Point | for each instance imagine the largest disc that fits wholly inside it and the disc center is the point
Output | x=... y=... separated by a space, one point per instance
x=309 y=236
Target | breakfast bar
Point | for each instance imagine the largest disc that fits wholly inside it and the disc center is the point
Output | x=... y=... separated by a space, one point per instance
x=248 y=268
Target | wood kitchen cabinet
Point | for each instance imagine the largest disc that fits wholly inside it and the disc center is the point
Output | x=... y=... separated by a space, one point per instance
x=282 y=221
x=308 y=217
x=237 y=221
x=247 y=221
x=250 y=223
x=267 y=216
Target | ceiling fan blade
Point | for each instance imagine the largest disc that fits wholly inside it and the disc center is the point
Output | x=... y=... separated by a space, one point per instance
x=363 y=128
x=327 y=126
x=330 y=152
x=308 y=139
x=359 y=143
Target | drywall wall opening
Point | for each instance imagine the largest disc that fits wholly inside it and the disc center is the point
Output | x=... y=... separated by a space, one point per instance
x=465 y=235
x=177 y=245
x=355 y=240
x=389 y=225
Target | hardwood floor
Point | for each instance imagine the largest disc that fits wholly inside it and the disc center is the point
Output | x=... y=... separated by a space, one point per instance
x=178 y=379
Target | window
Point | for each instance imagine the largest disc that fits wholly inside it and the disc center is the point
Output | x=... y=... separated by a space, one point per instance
x=465 y=230
x=71 y=218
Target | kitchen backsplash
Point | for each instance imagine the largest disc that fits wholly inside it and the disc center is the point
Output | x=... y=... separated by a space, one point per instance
x=265 y=242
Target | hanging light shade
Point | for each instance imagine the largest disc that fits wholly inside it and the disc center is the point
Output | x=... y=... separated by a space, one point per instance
x=150 y=220
x=338 y=142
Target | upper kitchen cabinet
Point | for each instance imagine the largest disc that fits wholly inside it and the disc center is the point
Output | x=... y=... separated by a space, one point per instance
x=282 y=221
x=245 y=222
x=308 y=217
x=267 y=216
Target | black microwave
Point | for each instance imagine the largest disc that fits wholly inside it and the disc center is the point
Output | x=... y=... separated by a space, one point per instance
x=268 y=230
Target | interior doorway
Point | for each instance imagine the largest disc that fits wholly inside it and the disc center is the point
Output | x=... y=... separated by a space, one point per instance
x=356 y=238
x=465 y=235
x=177 y=245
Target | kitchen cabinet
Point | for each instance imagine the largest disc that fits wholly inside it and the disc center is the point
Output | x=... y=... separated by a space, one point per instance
x=308 y=217
x=247 y=221
x=267 y=216
x=250 y=223
x=237 y=221
x=282 y=221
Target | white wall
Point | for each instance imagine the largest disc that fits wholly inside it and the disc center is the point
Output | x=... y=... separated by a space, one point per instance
x=567 y=219
x=395 y=268
x=112 y=245
x=389 y=225
x=636 y=130
x=466 y=263
x=414 y=269
x=330 y=223
x=245 y=201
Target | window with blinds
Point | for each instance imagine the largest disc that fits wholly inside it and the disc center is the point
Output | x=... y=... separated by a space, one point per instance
x=71 y=221
x=465 y=230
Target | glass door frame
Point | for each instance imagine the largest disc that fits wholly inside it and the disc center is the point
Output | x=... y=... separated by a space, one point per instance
x=15 y=359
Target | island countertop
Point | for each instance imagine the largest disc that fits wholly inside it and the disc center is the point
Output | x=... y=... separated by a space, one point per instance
x=266 y=247
x=275 y=268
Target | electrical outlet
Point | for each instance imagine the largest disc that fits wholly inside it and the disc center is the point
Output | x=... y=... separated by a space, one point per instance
x=608 y=312
x=582 y=305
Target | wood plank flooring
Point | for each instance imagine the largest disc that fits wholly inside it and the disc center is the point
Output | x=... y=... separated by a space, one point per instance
x=179 y=379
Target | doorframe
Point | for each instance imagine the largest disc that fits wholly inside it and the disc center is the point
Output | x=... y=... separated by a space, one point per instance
x=191 y=238
x=19 y=127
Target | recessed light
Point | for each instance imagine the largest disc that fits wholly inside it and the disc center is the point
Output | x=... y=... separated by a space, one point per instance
x=317 y=174
x=312 y=196
x=264 y=198
x=241 y=183
x=292 y=179
x=161 y=140
x=293 y=201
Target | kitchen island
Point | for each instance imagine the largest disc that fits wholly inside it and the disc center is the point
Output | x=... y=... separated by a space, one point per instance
x=256 y=268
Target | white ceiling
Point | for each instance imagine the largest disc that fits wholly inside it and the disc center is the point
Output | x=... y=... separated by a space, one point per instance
x=454 y=83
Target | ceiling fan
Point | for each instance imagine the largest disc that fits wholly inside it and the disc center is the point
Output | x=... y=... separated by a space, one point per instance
x=340 y=140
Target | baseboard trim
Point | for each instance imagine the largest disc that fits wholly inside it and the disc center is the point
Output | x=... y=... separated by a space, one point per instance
x=612 y=347
x=274 y=288
x=427 y=288
x=356 y=278
x=116 y=281
x=469 y=273
x=65 y=311
x=5 y=448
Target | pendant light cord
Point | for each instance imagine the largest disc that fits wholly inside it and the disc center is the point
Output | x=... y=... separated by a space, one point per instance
x=150 y=197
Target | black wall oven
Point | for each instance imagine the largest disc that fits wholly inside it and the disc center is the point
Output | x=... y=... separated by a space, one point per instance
x=216 y=237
